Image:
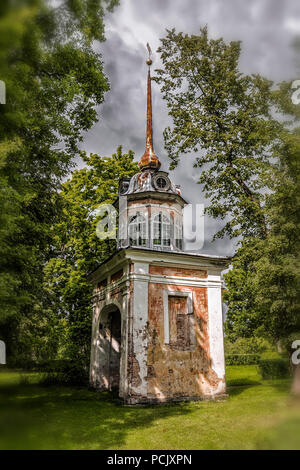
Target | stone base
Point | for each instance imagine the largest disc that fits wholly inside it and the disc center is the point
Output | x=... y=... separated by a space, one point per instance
x=131 y=401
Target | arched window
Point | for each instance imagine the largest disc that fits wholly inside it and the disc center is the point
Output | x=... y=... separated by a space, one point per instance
x=161 y=230
x=137 y=230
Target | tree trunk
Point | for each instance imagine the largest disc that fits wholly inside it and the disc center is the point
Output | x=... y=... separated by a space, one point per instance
x=279 y=347
x=296 y=381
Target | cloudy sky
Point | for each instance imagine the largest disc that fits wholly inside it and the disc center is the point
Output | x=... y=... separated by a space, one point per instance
x=267 y=29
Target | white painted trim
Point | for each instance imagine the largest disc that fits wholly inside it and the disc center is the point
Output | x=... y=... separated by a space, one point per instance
x=216 y=336
x=188 y=294
x=167 y=258
x=183 y=281
x=166 y=318
x=171 y=258
x=139 y=324
x=209 y=282
x=176 y=293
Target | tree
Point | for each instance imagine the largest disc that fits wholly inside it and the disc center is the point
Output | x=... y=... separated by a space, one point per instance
x=76 y=249
x=264 y=285
x=276 y=285
x=224 y=114
x=54 y=80
x=241 y=316
x=250 y=173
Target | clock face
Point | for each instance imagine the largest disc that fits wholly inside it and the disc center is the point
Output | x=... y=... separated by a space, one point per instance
x=161 y=182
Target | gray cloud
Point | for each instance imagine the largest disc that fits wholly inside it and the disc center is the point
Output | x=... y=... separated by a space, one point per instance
x=266 y=28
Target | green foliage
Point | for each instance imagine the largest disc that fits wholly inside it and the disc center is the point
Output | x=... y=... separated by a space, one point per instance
x=225 y=117
x=241 y=359
x=54 y=81
x=263 y=286
x=46 y=365
x=242 y=375
x=274 y=368
x=82 y=419
x=253 y=345
x=76 y=249
x=70 y=372
x=250 y=173
x=277 y=282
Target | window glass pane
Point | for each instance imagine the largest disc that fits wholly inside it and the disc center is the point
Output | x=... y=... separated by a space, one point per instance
x=137 y=230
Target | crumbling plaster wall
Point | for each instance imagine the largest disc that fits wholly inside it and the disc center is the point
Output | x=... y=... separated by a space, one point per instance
x=160 y=371
x=179 y=372
x=150 y=369
x=138 y=332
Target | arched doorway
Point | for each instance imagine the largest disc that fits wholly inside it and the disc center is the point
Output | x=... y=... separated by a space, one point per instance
x=109 y=347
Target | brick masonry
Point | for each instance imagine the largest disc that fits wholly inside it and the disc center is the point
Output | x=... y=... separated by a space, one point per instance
x=188 y=363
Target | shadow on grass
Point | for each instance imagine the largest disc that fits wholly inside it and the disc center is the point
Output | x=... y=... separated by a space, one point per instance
x=39 y=417
x=235 y=390
x=281 y=385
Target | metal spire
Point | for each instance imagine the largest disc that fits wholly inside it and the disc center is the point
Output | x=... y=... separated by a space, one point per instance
x=149 y=160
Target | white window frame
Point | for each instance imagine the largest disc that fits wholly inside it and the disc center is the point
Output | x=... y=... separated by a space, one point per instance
x=138 y=226
x=190 y=309
x=178 y=232
x=162 y=226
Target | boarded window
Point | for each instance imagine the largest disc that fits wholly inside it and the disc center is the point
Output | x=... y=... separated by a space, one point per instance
x=179 y=327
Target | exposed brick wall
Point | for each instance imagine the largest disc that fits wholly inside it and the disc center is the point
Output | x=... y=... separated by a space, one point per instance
x=174 y=370
x=180 y=272
x=151 y=369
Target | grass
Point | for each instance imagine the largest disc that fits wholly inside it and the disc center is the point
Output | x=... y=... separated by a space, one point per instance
x=242 y=375
x=257 y=415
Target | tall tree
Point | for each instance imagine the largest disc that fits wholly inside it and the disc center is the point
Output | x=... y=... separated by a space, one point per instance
x=264 y=285
x=54 y=80
x=250 y=172
x=223 y=115
x=76 y=249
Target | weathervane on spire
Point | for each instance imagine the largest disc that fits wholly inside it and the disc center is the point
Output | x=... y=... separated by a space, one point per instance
x=149 y=160
x=149 y=60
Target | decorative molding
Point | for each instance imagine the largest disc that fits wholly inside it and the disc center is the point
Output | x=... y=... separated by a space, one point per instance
x=215 y=264
x=157 y=279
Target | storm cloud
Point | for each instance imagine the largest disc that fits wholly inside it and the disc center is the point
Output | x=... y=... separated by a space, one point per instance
x=267 y=29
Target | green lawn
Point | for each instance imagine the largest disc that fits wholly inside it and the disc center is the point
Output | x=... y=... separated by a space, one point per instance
x=257 y=415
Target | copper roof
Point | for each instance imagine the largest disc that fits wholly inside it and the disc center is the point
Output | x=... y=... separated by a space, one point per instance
x=149 y=160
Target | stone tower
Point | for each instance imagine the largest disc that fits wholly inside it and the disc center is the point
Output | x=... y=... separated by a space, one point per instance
x=157 y=331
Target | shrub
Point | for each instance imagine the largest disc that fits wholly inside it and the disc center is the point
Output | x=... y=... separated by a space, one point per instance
x=65 y=373
x=254 y=345
x=274 y=368
x=241 y=359
x=74 y=373
x=49 y=365
x=272 y=355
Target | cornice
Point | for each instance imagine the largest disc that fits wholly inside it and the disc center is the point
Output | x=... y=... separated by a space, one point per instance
x=156 y=257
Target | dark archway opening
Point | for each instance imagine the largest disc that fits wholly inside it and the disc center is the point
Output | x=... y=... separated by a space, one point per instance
x=114 y=353
x=109 y=348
